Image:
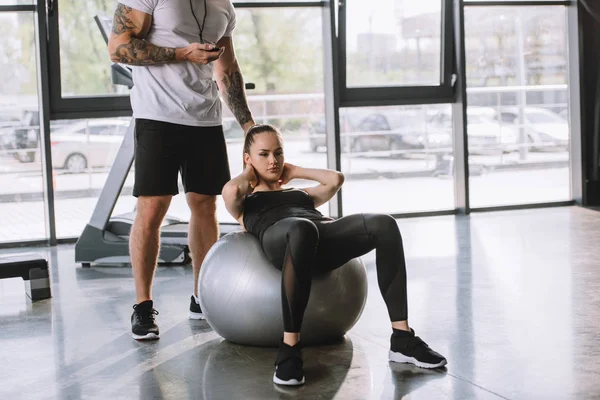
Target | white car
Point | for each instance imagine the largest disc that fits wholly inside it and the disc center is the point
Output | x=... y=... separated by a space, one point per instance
x=486 y=135
x=87 y=144
x=546 y=131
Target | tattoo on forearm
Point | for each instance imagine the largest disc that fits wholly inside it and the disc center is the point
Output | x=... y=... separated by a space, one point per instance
x=140 y=52
x=122 y=23
x=136 y=51
x=235 y=97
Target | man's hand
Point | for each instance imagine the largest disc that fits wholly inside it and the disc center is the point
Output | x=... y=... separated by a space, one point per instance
x=289 y=173
x=198 y=53
x=246 y=127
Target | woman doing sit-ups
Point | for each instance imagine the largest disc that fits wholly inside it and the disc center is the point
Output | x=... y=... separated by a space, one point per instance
x=301 y=242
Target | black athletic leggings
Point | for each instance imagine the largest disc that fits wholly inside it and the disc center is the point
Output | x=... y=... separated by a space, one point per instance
x=301 y=248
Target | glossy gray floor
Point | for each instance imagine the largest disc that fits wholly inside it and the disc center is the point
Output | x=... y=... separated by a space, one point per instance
x=511 y=298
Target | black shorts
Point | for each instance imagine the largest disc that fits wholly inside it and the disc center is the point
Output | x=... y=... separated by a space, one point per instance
x=163 y=149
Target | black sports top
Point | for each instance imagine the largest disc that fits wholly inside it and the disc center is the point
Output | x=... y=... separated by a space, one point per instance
x=263 y=209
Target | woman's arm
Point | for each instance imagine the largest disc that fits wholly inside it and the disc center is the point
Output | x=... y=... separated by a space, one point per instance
x=235 y=190
x=330 y=181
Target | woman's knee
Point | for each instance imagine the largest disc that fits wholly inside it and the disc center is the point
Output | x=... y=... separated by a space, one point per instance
x=304 y=230
x=382 y=225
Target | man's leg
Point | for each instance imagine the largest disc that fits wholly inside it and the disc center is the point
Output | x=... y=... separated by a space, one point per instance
x=204 y=172
x=157 y=154
x=204 y=229
x=144 y=242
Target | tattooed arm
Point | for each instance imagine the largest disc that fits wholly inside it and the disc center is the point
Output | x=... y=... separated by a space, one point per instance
x=127 y=42
x=231 y=84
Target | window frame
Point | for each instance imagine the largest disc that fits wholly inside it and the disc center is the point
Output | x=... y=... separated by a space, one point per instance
x=102 y=106
x=53 y=106
x=460 y=126
x=496 y=3
x=401 y=95
x=18 y=8
x=76 y=107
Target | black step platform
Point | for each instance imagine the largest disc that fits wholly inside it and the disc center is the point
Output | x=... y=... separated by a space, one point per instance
x=33 y=269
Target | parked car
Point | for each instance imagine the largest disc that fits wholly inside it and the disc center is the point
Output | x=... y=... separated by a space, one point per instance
x=545 y=130
x=19 y=132
x=20 y=137
x=9 y=117
x=9 y=120
x=364 y=131
x=317 y=137
x=486 y=134
x=87 y=144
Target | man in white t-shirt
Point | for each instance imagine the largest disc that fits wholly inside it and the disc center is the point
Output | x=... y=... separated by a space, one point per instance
x=175 y=48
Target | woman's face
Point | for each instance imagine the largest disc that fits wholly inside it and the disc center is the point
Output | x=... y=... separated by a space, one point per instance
x=266 y=156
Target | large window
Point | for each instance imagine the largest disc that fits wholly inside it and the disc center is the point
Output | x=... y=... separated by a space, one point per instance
x=83 y=151
x=22 y=214
x=395 y=159
x=392 y=81
x=84 y=86
x=288 y=94
x=393 y=43
x=395 y=52
x=518 y=103
x=396 y=154
x=80 y=78
x=84 y=60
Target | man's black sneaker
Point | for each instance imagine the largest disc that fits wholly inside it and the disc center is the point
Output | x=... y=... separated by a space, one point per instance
x=288 y=365
x=406 y=347
x=195 y=310
x=142 y=321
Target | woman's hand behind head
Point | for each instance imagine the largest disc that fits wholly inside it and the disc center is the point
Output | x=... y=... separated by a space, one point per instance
x=252 y=177
x=288 y=173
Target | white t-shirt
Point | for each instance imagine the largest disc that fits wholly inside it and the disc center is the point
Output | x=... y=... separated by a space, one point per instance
x=181 y=92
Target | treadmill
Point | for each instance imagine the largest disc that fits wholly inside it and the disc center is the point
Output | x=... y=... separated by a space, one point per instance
x=105 y=239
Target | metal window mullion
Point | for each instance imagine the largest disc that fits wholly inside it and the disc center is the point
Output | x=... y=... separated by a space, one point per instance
x=332 y=103
x=522 y=206
x=92 y=114
x=90 y=107
x=575 y=117
x=18 y=8
x=446 y=45
x=519 y=3
x=289 y=4
x=341 y=53
x=396 y=96
x=459 y=113
x=43 y=74
x=53 y=53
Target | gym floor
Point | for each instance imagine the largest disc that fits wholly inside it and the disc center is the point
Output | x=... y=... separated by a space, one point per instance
x=510 y=298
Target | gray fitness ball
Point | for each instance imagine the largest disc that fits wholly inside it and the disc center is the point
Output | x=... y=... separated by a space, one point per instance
x=240 y=295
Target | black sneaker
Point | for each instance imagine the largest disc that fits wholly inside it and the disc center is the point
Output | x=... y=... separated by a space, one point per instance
x=406 y=347
x=142 y=321
x=195 y=310
x=288 y=366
